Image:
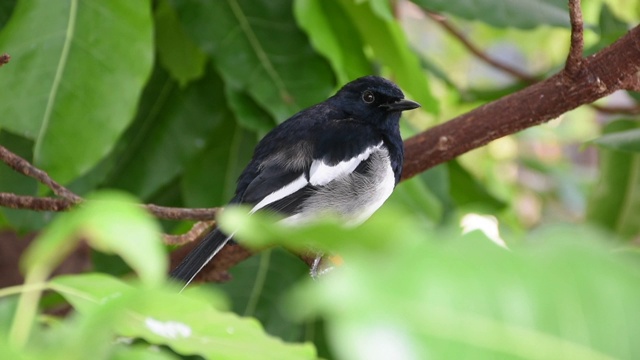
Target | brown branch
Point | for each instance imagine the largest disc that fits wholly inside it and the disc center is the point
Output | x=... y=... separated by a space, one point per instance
x=14 y=201
x=612 y=69
x=25 y=202
x=195 y=233
x=24 y=167
x=574 y=58
x=479 y=53
x=178 y=213
x=4 y=59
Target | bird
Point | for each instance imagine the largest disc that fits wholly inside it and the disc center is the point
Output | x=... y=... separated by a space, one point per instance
x=340 y=157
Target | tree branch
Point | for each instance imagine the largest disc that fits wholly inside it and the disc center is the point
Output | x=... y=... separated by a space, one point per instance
x=24 y=167
x=614 y=68
x=14 y=201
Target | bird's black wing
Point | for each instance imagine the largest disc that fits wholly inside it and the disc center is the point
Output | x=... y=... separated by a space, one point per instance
x=282 y=184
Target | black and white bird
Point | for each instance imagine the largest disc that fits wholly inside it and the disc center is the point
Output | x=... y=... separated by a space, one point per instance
x=341 y=157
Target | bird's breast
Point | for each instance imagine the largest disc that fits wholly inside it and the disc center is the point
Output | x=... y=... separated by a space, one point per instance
x=355 y=196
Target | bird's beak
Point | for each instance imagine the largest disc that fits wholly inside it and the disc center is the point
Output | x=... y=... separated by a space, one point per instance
x=401 y=105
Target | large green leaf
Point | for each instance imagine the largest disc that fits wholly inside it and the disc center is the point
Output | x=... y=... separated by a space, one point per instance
x=210 y=179
x=248 y=113
x=6 y=8
x=628 y=140
x=523 y=14
x=136 y=233
x=76 y=73
x=257 y=288
x=187 y=323
x=259 y=50
x=390 y=45
x=468 y=191
x=173 y=126
x=615 y=200
x=436 y=294
x=177 y=52
x=326 y=23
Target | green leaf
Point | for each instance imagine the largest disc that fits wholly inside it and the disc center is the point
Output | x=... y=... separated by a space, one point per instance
x=415 y=194
x=187 y=324
x=467 y=191
x=261 y=230
x=628 y=10
x=258 y=286
x=136 y=233
x=210 y=179
x=84 y=294
x=76 y=73
x=615 y=200
x=248 y=113
x=463 y=297
x=259 y=50
x=6 y=8
x=176 y=51
x=325 y=22
x=628 y=141
x=173 y=126
x=389 y=44
x=524 y=14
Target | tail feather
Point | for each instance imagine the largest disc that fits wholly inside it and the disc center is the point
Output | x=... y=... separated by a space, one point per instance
x=200 y=256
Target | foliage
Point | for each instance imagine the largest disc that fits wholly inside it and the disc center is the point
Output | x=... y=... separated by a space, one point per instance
x=166 y=99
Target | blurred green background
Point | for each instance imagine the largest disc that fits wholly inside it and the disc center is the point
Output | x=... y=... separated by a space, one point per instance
x=166 y=99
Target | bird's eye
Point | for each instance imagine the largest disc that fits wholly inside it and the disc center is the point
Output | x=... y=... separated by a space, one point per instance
x=368 y=97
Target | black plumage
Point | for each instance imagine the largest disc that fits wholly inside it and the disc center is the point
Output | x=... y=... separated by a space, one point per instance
x=342 y=156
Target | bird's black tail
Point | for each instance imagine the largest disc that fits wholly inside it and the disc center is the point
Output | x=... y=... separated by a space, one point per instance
x=200 y=256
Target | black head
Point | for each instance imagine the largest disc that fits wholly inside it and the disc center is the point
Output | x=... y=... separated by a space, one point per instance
x=373 y=99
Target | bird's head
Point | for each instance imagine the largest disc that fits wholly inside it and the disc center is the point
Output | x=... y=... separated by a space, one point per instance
x=373 y=99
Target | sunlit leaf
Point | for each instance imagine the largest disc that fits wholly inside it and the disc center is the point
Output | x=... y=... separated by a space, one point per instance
x=187 y=324
x=111 y=222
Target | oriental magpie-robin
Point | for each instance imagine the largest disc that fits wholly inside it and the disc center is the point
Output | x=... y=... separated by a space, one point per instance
x=342 y=157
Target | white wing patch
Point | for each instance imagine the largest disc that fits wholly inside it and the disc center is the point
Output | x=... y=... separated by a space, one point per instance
x=281 y=193
x=321 y=173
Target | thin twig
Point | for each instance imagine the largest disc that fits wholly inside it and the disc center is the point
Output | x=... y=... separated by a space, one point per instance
x=178 y=213
x=14 y=201
x=574 y=58
x=193 y=234
x=69 y=198
x=24 y=167
x=624 y=110
x=458 y=34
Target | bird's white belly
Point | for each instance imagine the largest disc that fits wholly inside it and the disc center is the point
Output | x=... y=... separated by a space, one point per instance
x=353 y=197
